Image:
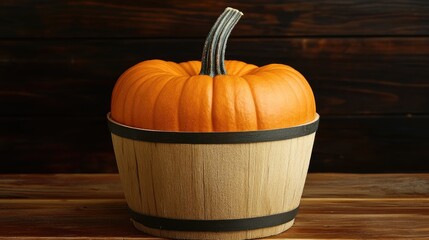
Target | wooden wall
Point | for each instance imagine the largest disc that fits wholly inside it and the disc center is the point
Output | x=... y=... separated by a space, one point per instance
x=367 y=61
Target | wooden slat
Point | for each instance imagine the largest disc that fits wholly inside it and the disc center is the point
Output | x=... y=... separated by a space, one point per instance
x=56 y=145
x=65 y=218
x=60 y=186
x=377 y=186
x=318 y=185
x=340 y=206
x=77 y=19
x=348 y=75
x=317 y=219
x=343 y=144
x=372 y=144
x=360 y=219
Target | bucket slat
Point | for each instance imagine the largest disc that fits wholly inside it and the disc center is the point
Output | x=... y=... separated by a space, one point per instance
x=213 y=181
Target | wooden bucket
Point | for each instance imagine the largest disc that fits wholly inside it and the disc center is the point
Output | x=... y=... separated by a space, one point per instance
x=229 y=185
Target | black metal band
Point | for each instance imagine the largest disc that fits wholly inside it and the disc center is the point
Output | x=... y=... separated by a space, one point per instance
x=213 y=225
x=211 y=137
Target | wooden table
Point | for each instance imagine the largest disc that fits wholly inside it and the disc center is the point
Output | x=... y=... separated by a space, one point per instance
x=340 y=206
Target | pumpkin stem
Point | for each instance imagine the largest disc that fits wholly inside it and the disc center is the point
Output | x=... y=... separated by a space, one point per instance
x=213 y=59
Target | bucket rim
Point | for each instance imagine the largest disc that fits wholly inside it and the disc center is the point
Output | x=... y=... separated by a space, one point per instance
x=158 y=136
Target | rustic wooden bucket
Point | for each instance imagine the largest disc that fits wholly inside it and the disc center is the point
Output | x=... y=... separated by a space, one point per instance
x=237 y=185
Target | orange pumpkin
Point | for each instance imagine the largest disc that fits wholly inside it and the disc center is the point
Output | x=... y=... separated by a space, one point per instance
x=213 y=95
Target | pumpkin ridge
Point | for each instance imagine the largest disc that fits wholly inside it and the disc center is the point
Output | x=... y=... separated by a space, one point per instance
x=195 y=104
x=244 y=70
x=237 y=72
x=195 y=66
x=252 y=71
x=280 y=78
x=173 y=83
x=136 y=86
x=303 y=105
x=180 y=101
x=223 y=103
x=124 y=79
x=300 y=82
x=252 y=91
x=167 y=68
x=177 y=69
x=123 y=93
x=143 y=113
x=187 y=67
x=246 y=118
x=306 y=90
x=234 y=87
x=158 y=93
x=211 y=104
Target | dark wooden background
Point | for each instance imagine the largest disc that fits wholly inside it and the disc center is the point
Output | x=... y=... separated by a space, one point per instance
x=367 y=61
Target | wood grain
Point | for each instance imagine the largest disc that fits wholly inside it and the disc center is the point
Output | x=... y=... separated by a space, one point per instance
x=334 y=206
x=95 y=19
x=318 y=185
x=56 y=145
x=348 y=75
x=219 y=181
x=60 y=60
x=317 y=219
x=323 y=219
x=372 y=144
x=60 y=186
x=322 y=185
x=343 y=144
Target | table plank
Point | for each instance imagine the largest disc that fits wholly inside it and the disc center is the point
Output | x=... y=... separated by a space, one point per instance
x=340 y=206
x=366 y=185
x=318 y=185
x=318 y=218
x=64 y=186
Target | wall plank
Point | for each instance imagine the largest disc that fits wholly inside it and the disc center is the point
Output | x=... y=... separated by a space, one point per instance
x=348 y=75
x=343 y=144
x=372 y=144
x=367 y=62
x=113 y=19
x=49 y=144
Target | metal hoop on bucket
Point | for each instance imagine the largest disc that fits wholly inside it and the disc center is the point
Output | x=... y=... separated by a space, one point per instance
x=148 y=135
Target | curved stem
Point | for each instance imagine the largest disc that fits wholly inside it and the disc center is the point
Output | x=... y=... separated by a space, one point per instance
x=220 y=52
x=213 y=58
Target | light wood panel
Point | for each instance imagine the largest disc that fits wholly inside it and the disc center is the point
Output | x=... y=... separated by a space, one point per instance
x=219 y=181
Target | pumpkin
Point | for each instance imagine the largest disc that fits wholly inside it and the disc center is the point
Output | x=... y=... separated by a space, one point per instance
x=213 y=95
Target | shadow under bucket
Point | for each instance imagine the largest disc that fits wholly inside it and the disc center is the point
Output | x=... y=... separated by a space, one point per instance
x=213 y=185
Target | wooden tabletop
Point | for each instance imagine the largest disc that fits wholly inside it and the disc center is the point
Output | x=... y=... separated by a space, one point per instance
x=340 y=206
